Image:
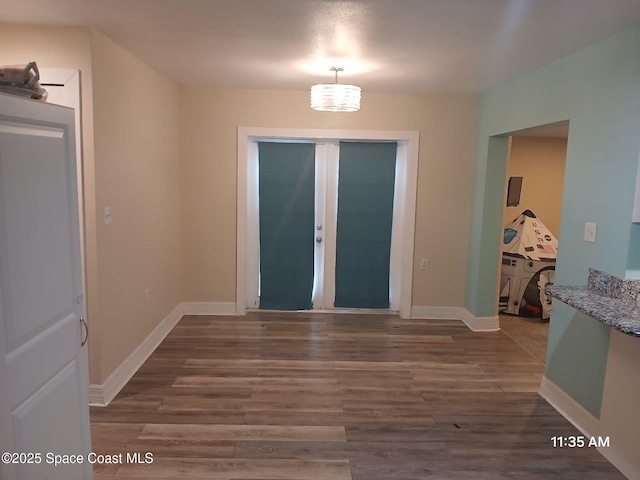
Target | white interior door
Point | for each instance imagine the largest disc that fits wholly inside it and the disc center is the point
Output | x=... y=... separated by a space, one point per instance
x=43 y=358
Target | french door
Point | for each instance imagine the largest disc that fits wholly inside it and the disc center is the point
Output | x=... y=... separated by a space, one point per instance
x=325 y=224
x=287 y=215
x=326 y=140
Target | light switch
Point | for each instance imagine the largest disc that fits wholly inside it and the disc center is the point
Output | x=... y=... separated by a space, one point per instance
x=590 y=232
x=107 y=215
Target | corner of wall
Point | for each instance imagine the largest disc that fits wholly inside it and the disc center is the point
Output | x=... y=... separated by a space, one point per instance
x=579 y=417
x=102 y=394
x=476 y=324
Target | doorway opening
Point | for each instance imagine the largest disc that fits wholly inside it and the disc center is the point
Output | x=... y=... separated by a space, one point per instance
x=327 y=145
x=536 y=160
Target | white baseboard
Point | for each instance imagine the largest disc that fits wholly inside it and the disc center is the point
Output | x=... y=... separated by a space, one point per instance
x=477 y=324
x=209 y=308
x=480 y=324
x=619 y=460
x=101 y=395
x=588 y=425
x=569 y=408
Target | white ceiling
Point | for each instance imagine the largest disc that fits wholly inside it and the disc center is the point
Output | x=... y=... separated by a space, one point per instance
x=383 y=45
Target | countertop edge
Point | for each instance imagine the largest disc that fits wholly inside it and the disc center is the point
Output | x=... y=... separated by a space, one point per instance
x=621 y=314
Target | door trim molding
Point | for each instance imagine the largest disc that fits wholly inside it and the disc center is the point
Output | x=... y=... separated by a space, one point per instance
x=408 y=172
x=69 y=79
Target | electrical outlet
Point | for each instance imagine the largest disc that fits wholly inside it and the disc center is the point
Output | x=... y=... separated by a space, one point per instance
x=147 y=294
x=424 y=264
x=590 y=232
x=107 y=215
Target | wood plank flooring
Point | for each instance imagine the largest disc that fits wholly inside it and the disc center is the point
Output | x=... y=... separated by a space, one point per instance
x=297 y=396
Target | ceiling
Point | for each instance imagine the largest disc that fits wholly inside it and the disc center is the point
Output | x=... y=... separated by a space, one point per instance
x=383 y=45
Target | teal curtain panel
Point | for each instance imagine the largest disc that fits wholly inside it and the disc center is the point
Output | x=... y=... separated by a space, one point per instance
x=365 y=215
x=286 y=198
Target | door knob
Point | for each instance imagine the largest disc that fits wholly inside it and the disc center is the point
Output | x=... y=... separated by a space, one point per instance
x=318 y=227
x=318 y=239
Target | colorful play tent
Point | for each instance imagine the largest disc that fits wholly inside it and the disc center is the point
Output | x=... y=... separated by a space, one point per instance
x=529 y=253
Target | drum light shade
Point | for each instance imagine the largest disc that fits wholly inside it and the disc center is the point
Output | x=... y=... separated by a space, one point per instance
x=335 y=97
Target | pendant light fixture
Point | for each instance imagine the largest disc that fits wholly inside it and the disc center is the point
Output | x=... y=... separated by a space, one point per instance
x=335 y=97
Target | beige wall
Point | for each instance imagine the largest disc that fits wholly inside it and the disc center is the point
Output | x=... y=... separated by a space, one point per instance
x=621 y=392
x=138 y=176
x=133 y=166
x=209 y=119
x=164 y=159
x=540 y=161
x=70 y=48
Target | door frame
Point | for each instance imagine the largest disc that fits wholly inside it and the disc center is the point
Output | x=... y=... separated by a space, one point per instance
x=401 y=274
x=69 y=81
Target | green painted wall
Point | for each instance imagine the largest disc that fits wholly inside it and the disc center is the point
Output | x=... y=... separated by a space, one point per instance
x=598 y=90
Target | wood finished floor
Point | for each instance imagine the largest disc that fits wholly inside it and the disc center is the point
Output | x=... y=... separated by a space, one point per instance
x=337 y=397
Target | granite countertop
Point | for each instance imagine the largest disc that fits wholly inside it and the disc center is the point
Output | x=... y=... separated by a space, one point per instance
x=612 y=301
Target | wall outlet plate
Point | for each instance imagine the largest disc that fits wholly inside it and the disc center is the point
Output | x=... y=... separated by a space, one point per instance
x=590 y=232
x=108 y=218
